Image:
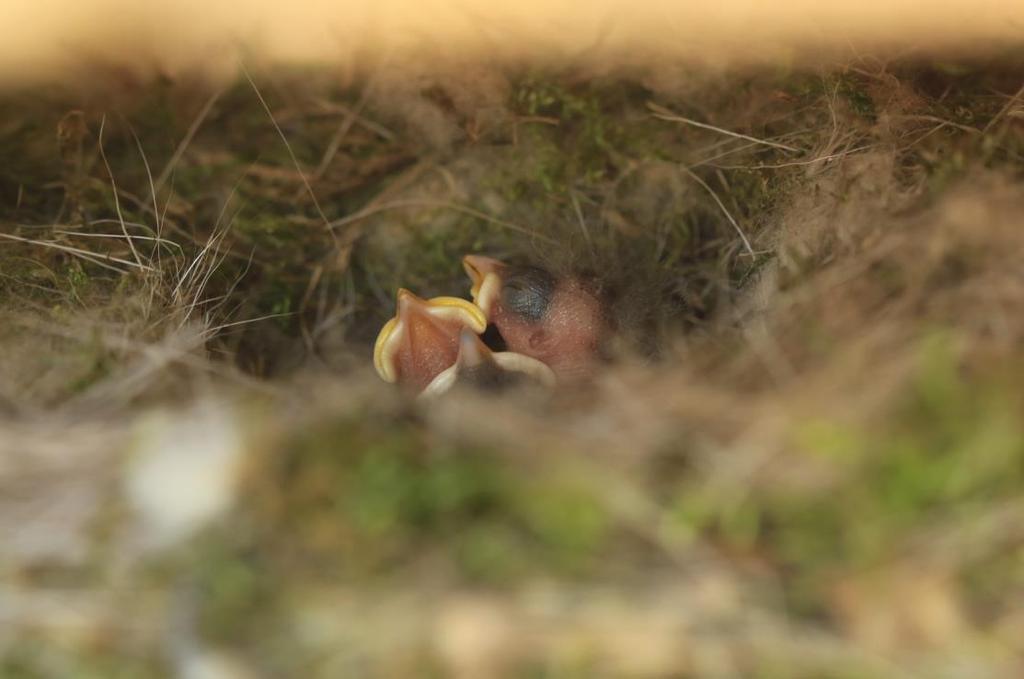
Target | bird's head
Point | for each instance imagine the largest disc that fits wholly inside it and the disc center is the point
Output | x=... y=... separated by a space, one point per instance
x=422 y=340
x=558 y=320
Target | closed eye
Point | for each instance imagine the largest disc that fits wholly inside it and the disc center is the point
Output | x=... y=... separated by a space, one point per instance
x=527 y=292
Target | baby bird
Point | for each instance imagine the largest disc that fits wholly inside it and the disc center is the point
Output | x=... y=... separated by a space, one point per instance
x=422 y=340
x=477 y=366
x=559 y=321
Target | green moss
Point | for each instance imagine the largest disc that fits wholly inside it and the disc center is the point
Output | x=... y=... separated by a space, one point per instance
x=851 y=87
x=492 y=552
x=239 y=592
x=355 y=498
x=588 y=137
x=991 y=584
x=98 y=365
x=35 y=658
x=566 y=515
x=952 y=445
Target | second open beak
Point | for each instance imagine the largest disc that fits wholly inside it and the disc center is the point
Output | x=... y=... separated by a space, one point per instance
x=485 y=274
x=478 y=366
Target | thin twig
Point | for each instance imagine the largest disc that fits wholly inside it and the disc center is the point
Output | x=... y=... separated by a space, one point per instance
x=732 y=220
x=156 y=211
x=351 y=116
x=149 y=175
x=333 y=108
x=942 y=122
x=91 y=256
x=190 y=134
x=792 y=163
x=579 y=217
x=398 y=204
x=662 y=113
x=288 y=146
x=211 y=243
x=117 y=201
x=245 y=321
x=1002 y=112
x=80 y=234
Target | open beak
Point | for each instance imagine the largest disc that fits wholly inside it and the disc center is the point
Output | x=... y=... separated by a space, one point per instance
x=478 y=365
x=422 y=340
x=473 y=353
x=485 y=274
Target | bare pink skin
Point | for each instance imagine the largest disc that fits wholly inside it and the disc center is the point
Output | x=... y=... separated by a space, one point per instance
x=429 y=346
x=568 y=336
